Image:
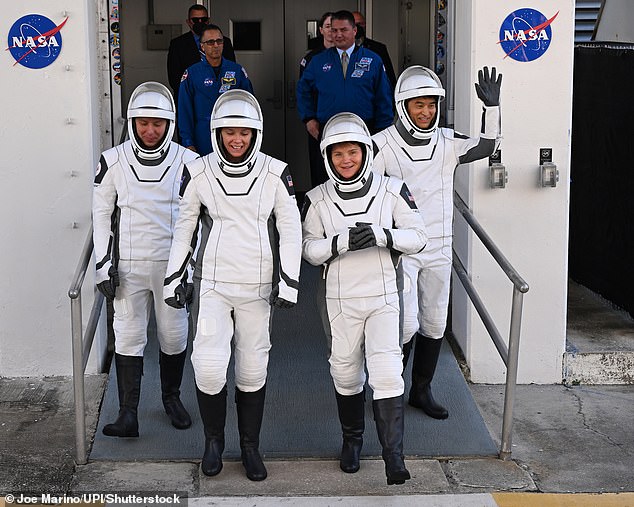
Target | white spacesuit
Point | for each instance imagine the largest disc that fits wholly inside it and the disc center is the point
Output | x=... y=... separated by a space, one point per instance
x=426 y=158
x=357 y=227
x=135 y=206
x=244 y=207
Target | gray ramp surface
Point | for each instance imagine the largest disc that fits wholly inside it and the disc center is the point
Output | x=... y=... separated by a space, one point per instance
x=300 y=416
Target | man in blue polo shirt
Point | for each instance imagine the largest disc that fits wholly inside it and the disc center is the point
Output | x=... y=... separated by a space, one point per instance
x=200 y=87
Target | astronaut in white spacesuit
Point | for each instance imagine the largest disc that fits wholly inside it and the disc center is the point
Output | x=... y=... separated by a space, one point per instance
x=244 y=200
x=356 y=225
x=425 y=156
x=135 y=205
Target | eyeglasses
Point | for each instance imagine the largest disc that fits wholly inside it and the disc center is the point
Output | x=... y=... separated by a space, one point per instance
x=213 y=42
x=202 y=19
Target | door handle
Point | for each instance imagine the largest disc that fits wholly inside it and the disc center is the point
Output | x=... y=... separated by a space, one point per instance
x=277 y=95
x=291 y=98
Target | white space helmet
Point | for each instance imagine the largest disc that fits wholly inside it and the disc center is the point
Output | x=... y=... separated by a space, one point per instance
x=417 y=81
x=151 y=100
x=236 y=108
x=347 y=127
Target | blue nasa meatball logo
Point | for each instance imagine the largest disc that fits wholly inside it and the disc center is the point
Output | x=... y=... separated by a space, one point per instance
x=35 y=41
x=525 y=34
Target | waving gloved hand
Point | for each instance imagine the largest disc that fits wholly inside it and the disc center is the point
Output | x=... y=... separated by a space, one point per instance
x=109 y=287
x=360 y=237
x=488 y=87
x=279 y=302
x=183 y=296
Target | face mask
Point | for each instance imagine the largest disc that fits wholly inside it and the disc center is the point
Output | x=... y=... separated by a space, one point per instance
x=198 y=28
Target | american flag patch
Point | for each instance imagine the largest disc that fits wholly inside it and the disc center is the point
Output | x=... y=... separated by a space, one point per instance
x=184 y=76
x=289 y=180
x=408 y=197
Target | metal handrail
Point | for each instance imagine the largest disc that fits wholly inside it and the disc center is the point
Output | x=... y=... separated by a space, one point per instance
x=508 y=354
x=82 y=345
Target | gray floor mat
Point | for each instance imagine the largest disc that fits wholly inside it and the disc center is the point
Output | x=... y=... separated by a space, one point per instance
x=300 y=418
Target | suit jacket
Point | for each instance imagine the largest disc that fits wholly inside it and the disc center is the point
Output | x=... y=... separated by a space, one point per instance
x=381 y=49
x=183 y=53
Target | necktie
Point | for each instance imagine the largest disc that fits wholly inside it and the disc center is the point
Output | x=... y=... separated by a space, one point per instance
x=344 y=63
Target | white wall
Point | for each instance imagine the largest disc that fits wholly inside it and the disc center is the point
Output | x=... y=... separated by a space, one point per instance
x=528 y=223
x=49 y=152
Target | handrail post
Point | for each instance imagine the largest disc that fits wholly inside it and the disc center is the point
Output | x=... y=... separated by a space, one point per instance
x=511 y=373
x=78 y=380
x=510 y=356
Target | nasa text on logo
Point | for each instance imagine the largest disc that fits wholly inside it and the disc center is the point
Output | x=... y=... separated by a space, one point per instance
x=35 y=41
x=525 y=34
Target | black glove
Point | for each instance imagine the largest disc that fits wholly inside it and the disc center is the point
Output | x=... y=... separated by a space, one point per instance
x=488 y=88
x=109 y=287
x=277 y=301
x=360 y=237
x=183 y=296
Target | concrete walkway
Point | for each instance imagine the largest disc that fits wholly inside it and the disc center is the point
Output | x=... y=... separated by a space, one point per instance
x=566 y=439
x=572 y=446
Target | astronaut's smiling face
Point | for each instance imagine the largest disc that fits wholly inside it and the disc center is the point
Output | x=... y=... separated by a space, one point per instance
x=236 y=141
x=150 y=130
x=422 y=111
x=346 y=159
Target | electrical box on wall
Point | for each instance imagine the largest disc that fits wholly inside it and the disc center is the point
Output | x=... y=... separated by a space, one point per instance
x=548 y=172
x=159 y=36
x=498 y=177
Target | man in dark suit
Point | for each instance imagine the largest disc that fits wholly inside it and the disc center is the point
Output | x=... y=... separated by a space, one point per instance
x=373 y=45
x=184 y=50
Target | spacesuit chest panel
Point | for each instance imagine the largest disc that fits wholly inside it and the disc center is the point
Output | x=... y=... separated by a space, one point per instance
x=150 y=173
x=347 y=275
x=149 y=207
x=415 y=153
x=237 y=185
x=429 y=180
x=353 y=210
x=240 y=208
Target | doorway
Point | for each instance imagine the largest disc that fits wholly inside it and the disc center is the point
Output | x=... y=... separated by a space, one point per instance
x=270 y=38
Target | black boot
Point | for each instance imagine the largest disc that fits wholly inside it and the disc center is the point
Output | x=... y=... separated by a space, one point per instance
x=388 y=415
x=426 y=353
x=213 y=412
x=129 y=371
x=407 y=348
x=351 y=416
x=250 y=408
x=171 y=376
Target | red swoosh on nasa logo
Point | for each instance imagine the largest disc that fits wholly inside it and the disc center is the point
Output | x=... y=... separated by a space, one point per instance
x=48 y=35
x=538 y=28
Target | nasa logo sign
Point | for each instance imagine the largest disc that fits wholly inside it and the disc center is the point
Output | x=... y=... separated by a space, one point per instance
x=525 y=34
x=35 y=41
